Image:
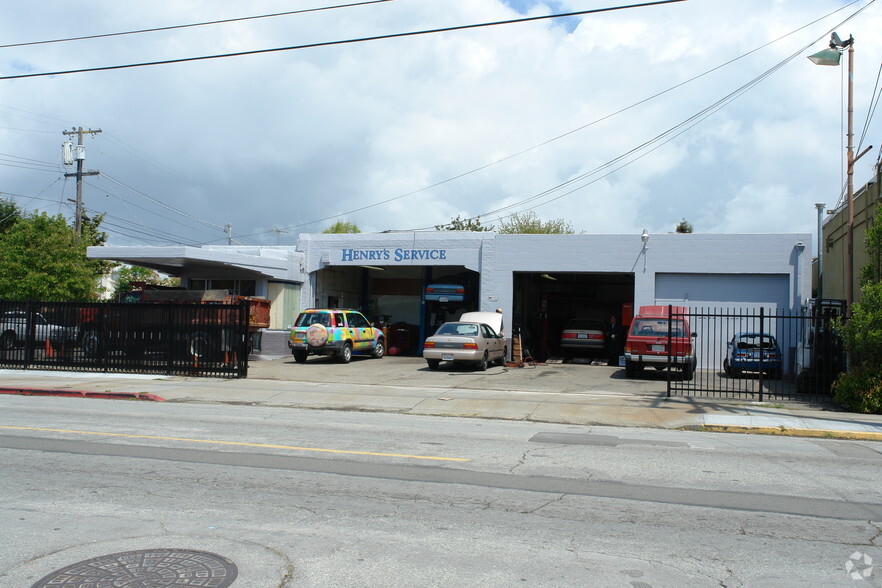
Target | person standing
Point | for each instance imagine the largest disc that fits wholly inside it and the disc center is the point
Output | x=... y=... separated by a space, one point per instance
x=615 y=341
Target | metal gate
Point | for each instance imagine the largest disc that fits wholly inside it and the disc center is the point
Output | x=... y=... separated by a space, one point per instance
x=204 y=339
x=761 y=354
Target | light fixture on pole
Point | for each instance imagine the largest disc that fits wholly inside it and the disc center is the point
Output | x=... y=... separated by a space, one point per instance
x=832 y=56
x=645 y=238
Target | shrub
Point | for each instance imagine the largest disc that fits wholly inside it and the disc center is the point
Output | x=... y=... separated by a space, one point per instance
x=860 y=390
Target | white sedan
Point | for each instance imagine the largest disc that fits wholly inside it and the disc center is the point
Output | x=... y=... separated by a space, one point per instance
x=465 y=342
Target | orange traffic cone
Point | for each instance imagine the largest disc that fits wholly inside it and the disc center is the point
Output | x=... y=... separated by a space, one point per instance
x=49 y=352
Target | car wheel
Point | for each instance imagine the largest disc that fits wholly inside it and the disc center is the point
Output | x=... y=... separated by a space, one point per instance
x=482 y=365
x=345 y=355
x=433 y=363
x=688 y=372
x=300 y=356
x=200 y=346
x=727 y=369
x=632 y=368
x=7 y=340
x=91 y=343
x=501 y=361
x=379 y=349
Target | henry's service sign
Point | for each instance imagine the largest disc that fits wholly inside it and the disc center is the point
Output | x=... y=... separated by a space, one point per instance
x=404 y=256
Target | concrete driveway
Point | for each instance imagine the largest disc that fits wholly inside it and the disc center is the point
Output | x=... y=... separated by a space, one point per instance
x=413 y=371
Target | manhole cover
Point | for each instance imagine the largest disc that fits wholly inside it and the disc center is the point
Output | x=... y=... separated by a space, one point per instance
x=148 y=568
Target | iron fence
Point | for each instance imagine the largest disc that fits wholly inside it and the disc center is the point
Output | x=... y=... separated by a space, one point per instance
x=760 y=354
x=203 y=339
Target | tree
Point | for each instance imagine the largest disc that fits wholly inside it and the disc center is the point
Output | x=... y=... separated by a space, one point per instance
x=343 y=226
x=10 y=213
x=524 y=223
x=860 y=389
x=464 y=224
x=684 y=227
x=42 y=258
x=135 y=273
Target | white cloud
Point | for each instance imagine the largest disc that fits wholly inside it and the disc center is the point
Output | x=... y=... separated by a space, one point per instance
x=282 y=139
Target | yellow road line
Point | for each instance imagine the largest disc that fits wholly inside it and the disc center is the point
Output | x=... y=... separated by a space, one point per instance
x=237 y=443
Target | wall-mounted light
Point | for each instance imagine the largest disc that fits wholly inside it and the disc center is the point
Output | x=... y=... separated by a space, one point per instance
x=644 y=237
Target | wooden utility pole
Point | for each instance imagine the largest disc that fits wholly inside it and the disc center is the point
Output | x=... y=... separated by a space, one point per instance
x=80 y=155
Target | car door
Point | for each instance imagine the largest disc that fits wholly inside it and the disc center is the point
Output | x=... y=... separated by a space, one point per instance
x=492 y=341
x=362 y=332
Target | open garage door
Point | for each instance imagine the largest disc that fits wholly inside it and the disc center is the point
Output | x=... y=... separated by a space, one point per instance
x=545 y=302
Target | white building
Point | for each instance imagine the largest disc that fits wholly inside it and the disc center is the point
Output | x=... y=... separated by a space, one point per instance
x=539 y=281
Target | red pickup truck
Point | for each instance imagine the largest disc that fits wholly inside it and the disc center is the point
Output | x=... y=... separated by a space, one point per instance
x=654 y=338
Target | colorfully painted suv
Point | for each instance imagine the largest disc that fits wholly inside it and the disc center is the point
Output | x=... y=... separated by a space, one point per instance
x=654 y=340
x=334 y=331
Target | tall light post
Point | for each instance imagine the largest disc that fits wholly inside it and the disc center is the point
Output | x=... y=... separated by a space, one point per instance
x=832 y=56
x=820 y=206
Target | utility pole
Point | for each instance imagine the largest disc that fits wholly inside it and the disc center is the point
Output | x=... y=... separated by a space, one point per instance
x=79 y=154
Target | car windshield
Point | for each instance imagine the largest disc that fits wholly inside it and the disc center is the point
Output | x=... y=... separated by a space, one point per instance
x=657 y=327
x=312 y=318
x=458 y=329
x=584 y=325
x=753 y=342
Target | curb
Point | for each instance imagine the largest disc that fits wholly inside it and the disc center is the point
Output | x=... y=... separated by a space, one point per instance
x=108 y=395
x=789 y=432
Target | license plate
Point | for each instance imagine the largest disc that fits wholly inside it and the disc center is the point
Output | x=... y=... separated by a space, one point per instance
x=447 y=356
x=582 y=335
x=658 y=348
x=443 y=299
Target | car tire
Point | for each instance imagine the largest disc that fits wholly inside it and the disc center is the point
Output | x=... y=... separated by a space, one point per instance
x=482 y=365
x=345 y=355
x=200 y=347
x=688 y=372
x=501 y=361
x=379 y=349
x=727 y=369
x=300 y=356
x=7 y=341
x=433 y=363
x=631 y=369
x=91 y=343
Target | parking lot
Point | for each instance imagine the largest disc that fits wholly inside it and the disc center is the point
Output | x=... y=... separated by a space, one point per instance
x=413 y=371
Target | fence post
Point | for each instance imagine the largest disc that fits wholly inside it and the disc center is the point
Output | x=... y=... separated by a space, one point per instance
x=761 y=337
x=670 y=351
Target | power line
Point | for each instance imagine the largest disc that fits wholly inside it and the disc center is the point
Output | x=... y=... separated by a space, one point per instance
x=185 y=26
x=340 y=42
x=571 y=132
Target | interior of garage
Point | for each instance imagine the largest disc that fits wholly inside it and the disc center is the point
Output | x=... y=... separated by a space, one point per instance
x=393 y=297
x=545 y=302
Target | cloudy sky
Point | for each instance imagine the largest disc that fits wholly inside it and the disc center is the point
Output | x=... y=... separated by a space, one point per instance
x=706 y=110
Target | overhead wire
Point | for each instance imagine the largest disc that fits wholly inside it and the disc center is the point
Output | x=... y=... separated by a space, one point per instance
x=338 y=42
x=570 y=132
x=657 y=141
x=191 y=25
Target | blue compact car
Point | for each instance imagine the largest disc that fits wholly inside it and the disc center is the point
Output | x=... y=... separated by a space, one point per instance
x=752 y=352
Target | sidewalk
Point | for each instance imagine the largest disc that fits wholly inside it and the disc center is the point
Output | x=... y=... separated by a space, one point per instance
x=579 y=395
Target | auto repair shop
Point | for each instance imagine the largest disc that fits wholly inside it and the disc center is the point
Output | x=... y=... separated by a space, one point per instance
x=413 y=281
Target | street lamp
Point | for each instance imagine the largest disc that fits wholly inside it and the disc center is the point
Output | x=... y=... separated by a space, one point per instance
x=832 y=56
x=820 y=206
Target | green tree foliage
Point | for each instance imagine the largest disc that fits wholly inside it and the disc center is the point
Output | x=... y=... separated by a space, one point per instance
x=463 y=224
x=527 y=223
x=41 y=258
x=10 y=213
x=134 y=273
x=343 y=226
x=860 y=389
x=684 y=227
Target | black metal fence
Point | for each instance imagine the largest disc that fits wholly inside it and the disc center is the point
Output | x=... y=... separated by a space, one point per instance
x=754 y=353
x=205 y=339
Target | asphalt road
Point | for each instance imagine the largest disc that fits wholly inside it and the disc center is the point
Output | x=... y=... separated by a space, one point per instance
x=316 y=498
